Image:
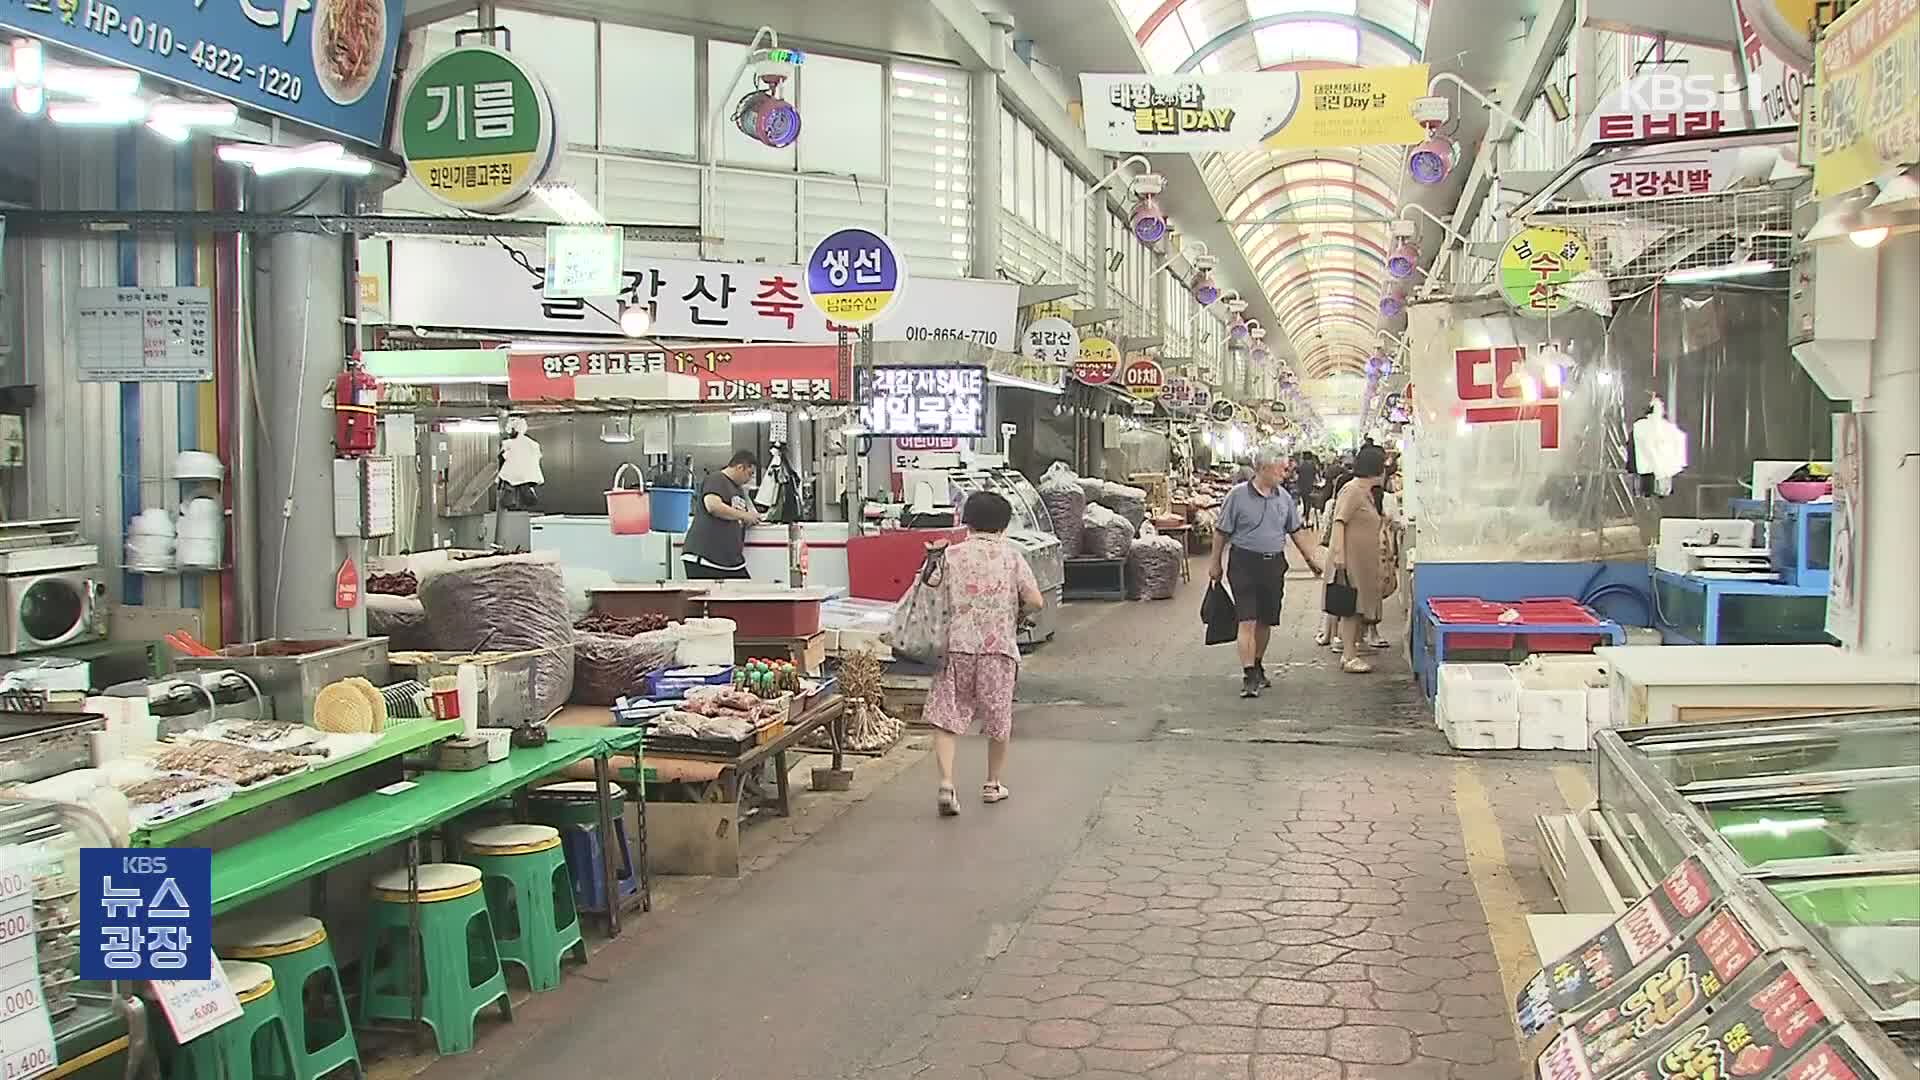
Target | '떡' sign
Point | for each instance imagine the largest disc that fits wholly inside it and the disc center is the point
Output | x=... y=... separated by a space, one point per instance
x=749 y=374
x=1536 y=266
x=854 y=275
x=476 y=129
x=1867 y=119
x=1491 y=385
x=1099 y=361
x=584 y=261
x=1143 y=378
x=328 y=63
x=146 y=913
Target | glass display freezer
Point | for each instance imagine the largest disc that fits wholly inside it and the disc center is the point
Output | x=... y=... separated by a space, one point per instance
x=1814 y=819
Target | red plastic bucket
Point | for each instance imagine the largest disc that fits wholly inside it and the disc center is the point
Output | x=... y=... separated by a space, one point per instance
x=629 y=512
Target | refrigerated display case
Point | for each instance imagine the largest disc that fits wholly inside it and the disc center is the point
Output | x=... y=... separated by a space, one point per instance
x=1816 y=821
x=1031 y=531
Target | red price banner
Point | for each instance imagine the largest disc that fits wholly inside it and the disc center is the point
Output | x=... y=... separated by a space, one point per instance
x=744 y=373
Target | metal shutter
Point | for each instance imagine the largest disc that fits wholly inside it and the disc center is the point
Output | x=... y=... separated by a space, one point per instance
x=930 y=168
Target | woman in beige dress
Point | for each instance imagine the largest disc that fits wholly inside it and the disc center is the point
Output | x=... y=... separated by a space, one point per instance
x=1353 y=549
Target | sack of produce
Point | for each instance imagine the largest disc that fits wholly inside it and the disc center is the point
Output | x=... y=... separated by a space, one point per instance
x=1061 y=494
x=1128 y=502
x=1153 y=566
x=1105 y=534
x=402 y=620
x=506 y=603
x=610 y=666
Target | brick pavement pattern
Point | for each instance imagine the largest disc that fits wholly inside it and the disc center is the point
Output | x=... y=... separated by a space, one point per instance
x=1296 y=915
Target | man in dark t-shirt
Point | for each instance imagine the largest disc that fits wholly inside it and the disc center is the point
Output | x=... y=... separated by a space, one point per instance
x=715 y=547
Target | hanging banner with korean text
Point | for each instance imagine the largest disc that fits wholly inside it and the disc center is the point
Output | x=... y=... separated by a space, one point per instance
x=328 y=63
x=1774 y=87
x=1868 y=86
x=477 y=129
x=1283 y=110
x=1663 y=105
x=749 y=374
x=435 y=283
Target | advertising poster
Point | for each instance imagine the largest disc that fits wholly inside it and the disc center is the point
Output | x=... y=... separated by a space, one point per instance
x=1868 y=118
x=1844 y=559
x=1280 y=110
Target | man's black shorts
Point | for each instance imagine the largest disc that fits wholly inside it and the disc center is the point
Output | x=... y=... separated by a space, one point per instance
x=1257 y=583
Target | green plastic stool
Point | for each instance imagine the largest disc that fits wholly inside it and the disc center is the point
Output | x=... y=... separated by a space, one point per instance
x=297 y=949
x=459 y=961
x=254 y=1047
x=530 y=896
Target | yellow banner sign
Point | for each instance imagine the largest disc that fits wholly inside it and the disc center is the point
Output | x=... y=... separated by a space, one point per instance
x=1867 y=117
x=1353 y=107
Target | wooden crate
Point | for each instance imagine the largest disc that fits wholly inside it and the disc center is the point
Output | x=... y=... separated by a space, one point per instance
x=808 y=654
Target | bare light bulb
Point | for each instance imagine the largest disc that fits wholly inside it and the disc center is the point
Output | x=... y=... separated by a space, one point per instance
x=635 y=320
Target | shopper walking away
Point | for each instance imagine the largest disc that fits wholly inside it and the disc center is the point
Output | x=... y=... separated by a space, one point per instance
x=716 y=541
x=989 y=587
x=1336 y=478
x=1354 y=552
x=1256 y=520
x=1306 y=481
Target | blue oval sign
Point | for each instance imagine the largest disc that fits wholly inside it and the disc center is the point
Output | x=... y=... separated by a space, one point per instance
x=854 y=275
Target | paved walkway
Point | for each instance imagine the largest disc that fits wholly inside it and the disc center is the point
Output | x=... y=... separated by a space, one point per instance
x=1185 y=884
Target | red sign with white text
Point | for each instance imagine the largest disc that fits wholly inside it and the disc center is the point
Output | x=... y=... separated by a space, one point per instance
x=1486 y=386
x=742 y=373
x=346 y=586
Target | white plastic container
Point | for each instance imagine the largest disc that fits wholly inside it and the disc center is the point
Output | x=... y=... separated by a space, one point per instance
x=1478 y=706
x=199 y=534
x=467 y=685
x=1552 y=719
x=705 y=642
x=150 y=540
x=499 y=741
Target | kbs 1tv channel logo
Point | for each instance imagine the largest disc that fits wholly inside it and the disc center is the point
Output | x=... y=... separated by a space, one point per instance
x=146 y=913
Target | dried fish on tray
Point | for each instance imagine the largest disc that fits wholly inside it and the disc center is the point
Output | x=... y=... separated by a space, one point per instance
x=167 y=797
x=257 y=734
x=226 y=762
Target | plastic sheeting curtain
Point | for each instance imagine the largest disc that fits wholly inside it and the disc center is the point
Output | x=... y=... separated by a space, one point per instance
x=1507 y=466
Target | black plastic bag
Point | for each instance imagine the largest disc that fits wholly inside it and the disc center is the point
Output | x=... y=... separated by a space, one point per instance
x=1341 y=599
x=1216 y=610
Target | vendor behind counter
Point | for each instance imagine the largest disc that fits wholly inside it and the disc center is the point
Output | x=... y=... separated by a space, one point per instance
x=715 y=547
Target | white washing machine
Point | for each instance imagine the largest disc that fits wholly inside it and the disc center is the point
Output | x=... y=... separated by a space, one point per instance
x=53 y=587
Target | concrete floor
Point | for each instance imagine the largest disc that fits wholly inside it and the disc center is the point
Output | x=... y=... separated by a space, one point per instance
x=1185 y=884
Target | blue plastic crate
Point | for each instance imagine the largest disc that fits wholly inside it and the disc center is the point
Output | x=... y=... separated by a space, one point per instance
x=675 y=682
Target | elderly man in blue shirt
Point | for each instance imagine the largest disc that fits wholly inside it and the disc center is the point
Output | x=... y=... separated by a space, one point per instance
x=1256 y=521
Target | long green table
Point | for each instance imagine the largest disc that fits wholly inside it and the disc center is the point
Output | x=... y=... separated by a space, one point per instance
x=266 y=864
x=403 y=737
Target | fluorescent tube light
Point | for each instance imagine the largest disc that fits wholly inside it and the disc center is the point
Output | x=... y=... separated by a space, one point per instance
x=1720 y=273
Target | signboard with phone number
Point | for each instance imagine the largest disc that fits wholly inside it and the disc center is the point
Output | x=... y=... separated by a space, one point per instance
x=328 y=63
x=749 y=374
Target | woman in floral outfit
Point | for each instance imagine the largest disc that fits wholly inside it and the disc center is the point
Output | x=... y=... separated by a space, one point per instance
x=989 y=586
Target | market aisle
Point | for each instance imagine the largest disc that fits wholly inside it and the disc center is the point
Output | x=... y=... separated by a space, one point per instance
x=1185 y=884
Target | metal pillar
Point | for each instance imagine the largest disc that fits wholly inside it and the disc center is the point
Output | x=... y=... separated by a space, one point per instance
x=244 y=468
x=985 y=106
x=300 y=343
x=1890 y=459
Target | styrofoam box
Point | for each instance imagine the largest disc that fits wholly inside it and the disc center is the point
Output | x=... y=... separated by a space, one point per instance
x=1552 y=719
x=1599 y=711
x=1567 y=670
x=1489 y=733
x=1478 y=692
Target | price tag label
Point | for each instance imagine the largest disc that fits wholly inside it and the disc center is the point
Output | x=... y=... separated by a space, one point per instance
x=26 y=1032
x=197 y=1006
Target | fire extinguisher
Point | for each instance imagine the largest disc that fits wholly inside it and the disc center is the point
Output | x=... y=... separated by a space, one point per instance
x=355 y=410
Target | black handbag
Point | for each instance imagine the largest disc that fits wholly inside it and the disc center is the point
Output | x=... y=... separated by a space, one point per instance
x=1341 y=599
x=1216 y=610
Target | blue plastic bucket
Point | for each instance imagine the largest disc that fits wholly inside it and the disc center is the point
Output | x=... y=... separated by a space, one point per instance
x=672 y=508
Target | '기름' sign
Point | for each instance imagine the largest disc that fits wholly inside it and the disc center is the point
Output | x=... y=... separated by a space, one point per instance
x=328 y=63
x=1537 y=265
x=1867 y=122
x=482 y=287
x=749 y=374
x=146 y=913
x=1281 y=110
x=943 y=400
x=476 y=129
x=854 y=276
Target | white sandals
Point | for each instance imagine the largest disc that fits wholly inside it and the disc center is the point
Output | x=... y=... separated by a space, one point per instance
x=993 y=793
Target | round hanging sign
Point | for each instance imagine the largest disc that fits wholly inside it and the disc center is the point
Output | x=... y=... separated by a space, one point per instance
x=1221 y=410
x=1787 y=27
x=1143 y=379
x=1099 y=361
x=1052 y=341
x=477 y=129
x=1536 y=265
x=854 y=276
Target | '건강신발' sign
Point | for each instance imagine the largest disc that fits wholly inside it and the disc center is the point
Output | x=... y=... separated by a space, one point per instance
x=477 y=129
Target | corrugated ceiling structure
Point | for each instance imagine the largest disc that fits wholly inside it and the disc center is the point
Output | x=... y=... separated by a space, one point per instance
x=1311 y=222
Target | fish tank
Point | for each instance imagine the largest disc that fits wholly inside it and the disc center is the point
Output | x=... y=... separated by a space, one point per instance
x=1819 y=814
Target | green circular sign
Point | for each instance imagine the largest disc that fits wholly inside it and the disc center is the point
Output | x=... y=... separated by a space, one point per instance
x=477 y=129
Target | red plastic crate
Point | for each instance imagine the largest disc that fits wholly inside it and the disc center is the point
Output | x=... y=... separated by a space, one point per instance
x=1558 y=610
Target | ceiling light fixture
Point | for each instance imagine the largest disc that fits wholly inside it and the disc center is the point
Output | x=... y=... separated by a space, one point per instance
x=1699 y=274
x=1203 y=288
x=1148 y=221
x=636 y=320
x=327 y=157
x=763 y=115
x=1432 y=160
x=176 y=120
x=113 y=112
x=1897 y=189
